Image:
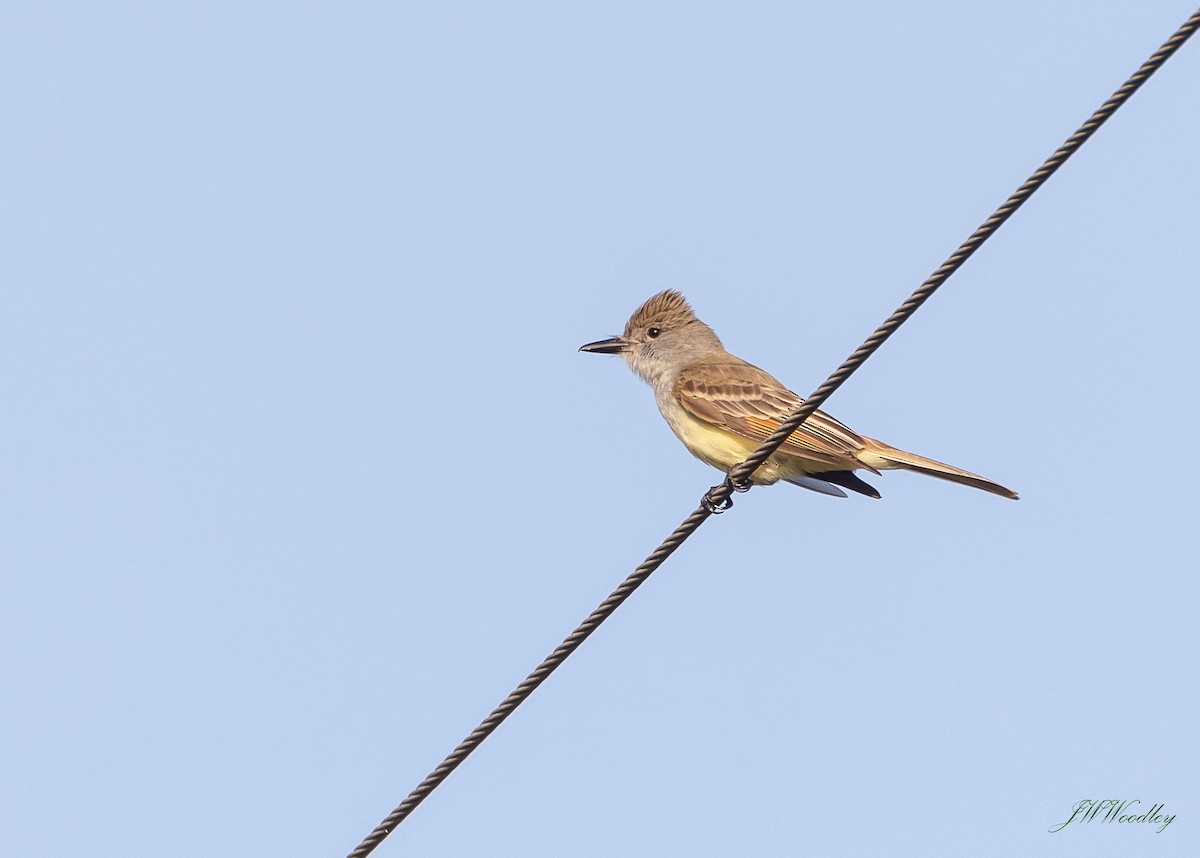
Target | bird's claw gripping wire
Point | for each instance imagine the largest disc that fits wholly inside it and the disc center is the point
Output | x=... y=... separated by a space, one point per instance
x=738 y=484
x=733 y=484
x=716 y=507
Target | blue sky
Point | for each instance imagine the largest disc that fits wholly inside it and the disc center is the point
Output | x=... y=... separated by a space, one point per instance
x=303 y=474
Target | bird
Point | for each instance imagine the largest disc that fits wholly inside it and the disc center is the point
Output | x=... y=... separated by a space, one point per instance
x=722 y=408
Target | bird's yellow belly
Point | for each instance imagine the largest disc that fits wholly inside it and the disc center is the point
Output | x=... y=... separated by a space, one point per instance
x=723 y=449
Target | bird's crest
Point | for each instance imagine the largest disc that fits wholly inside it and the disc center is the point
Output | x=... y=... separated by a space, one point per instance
x=667 y=309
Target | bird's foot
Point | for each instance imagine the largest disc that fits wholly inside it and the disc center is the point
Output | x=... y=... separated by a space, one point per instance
x=738 y=484
x=716 y=500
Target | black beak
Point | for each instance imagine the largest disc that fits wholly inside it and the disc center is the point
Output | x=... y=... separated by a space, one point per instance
x=611 y=346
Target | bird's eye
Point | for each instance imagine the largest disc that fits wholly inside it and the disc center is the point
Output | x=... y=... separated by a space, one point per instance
x=654 y=332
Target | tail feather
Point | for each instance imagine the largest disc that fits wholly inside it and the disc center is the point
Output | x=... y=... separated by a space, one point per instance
x=880 y=455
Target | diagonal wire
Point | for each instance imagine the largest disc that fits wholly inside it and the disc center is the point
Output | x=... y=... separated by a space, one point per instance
x=739 y=475
x=718 y=498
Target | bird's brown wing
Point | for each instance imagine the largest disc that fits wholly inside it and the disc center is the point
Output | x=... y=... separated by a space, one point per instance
x=747 y=401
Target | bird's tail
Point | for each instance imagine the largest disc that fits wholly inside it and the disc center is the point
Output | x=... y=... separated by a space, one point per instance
x=879 y=455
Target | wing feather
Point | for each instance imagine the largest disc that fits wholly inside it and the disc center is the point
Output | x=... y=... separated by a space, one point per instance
x=747 y=401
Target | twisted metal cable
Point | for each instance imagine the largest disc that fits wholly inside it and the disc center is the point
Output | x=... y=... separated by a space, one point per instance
x=739 y=475
x=718 y=498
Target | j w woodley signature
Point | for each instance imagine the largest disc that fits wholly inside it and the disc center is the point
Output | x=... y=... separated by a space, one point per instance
x=1112 y=810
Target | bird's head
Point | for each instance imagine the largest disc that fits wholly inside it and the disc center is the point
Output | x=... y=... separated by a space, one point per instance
x=661 y=338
